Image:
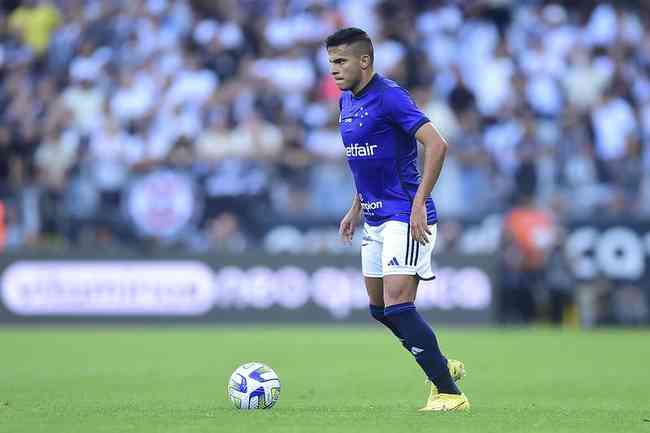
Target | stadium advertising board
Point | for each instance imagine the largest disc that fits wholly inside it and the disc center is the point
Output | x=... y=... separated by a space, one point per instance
x=87 y=288
x=609 y=249
x=225 y=289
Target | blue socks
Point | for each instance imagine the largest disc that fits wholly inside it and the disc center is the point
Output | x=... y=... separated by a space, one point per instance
x=418 y=337
x=378 y=313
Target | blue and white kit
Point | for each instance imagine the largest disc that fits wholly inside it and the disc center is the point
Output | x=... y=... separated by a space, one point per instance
x=378 y=127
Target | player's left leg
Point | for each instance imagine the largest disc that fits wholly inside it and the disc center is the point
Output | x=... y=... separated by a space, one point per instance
x=456 y=368
x=375 y=289
x=399 y=297
x=401 y=277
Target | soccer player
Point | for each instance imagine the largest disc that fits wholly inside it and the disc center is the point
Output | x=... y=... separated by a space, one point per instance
x=380 y=126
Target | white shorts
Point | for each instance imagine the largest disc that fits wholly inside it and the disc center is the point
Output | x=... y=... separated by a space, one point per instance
x=388 y=249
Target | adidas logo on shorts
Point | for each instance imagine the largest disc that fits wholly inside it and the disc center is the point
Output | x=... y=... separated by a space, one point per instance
x=393 y=262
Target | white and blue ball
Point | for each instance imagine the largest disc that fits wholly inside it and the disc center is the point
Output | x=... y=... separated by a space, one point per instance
x=254 y=386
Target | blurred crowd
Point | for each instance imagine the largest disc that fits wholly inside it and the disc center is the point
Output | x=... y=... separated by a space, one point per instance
x=233 y=100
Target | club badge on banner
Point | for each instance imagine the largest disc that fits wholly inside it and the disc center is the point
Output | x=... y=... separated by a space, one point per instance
x=162 y=204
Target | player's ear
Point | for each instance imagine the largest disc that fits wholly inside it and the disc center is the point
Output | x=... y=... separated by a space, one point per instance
x=364 y=61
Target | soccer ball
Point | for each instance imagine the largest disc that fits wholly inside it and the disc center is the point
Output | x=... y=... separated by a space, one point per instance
x=254 y=386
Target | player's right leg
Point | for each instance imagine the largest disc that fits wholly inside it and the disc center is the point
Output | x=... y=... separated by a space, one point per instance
x=371 y=266
x=375 y=289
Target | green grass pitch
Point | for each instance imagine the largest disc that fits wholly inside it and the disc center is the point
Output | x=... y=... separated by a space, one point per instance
x=334 y=379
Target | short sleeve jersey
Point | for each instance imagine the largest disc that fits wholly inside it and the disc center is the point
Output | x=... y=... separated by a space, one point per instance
x=378 y=127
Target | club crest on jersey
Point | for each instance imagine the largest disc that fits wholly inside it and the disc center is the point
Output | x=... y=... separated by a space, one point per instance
x=358 y=150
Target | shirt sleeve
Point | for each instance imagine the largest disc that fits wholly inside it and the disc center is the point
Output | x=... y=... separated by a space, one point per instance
x=402 y=111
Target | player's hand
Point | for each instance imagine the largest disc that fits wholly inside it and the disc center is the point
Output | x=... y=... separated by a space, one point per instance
x=348 y=225
x=419 y=227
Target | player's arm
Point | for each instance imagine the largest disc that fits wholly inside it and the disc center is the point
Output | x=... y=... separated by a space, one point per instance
x=435 y=150
x=350 y=220
x=356 y=204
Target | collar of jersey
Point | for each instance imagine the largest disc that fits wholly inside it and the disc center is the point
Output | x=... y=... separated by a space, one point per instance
x=369 y=84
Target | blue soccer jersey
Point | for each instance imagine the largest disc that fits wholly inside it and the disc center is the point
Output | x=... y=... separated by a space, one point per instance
x=378 y=128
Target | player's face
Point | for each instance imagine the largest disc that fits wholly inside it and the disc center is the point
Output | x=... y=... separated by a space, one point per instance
x=345 y=66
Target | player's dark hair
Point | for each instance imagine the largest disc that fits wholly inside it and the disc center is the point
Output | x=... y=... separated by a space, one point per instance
x=351 y=36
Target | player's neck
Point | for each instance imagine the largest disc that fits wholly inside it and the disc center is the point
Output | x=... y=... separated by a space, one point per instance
x=363 y=83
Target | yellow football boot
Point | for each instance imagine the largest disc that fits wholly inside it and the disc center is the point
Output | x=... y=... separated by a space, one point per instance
x=456 y=369
x=446 y=402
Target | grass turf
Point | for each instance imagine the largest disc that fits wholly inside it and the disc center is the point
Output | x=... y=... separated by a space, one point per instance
x=334 y=379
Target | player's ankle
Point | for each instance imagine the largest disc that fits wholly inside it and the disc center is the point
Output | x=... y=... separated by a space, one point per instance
x=446 y=384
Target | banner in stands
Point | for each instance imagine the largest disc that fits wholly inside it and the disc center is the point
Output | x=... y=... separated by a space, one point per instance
x=246 y=288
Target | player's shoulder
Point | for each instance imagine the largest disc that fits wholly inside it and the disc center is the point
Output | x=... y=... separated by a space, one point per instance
x=390 y=89
x=387 y=83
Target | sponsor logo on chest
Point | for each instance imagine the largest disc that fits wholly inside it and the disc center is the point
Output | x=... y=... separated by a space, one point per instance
x=356 y=150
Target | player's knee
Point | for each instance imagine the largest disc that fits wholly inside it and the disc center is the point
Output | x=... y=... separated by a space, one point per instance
x=397 y=295
x=399 y=289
